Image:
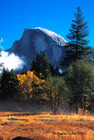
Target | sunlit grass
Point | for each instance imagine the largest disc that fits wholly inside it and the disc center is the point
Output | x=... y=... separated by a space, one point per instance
x=46 y=127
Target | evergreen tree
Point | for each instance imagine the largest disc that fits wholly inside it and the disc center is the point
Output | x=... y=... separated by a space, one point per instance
x=77 y=48
x=55 y=71
x=45 y=66
x=41 y=65
x=52 y=70
x=80 y=79
x=8 y=83
x=12 y=84
x=37 y=65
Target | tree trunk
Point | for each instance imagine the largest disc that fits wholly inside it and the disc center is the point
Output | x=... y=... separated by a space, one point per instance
x=76 y=109
x=84 y=110
x=84 y=105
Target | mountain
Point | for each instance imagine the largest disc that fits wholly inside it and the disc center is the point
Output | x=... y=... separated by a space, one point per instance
x=38 y=40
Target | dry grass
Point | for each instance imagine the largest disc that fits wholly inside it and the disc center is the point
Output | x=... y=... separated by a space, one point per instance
x=46 y=126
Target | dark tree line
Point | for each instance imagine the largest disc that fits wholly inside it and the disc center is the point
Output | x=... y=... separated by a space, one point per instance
x=8 y=84
x=42 y=65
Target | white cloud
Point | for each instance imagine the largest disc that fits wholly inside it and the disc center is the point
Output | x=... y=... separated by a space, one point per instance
x=11 y=61
x=1 y=39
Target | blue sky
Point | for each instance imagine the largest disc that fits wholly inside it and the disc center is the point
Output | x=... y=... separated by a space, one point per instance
x=54 y=15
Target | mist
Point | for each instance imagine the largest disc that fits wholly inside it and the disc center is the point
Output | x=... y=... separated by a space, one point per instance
x=11 y=61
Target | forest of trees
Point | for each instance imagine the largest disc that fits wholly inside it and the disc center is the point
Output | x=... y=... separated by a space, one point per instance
x=43 y=84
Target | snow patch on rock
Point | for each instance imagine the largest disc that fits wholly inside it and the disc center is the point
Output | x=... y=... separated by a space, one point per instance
x=60 y=40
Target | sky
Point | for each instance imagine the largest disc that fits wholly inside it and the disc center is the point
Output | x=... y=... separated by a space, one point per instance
x=54 y=15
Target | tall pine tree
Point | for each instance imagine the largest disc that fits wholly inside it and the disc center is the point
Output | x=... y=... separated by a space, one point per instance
x=77 y=48
x=36 y=65
x=45 y=66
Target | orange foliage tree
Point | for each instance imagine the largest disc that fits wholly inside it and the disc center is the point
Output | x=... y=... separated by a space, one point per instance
x=29 y=86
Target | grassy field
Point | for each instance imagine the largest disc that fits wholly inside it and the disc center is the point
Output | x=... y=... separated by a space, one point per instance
x=46 y=126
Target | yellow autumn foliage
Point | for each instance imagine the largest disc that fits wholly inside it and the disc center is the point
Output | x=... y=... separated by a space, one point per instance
x=28 y=84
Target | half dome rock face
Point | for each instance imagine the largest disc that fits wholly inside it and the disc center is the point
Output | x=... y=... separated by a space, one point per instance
x=37 y=40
